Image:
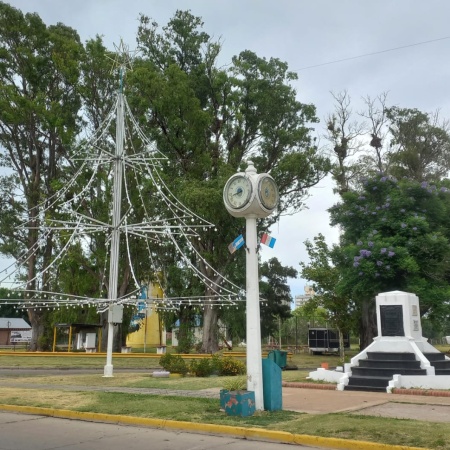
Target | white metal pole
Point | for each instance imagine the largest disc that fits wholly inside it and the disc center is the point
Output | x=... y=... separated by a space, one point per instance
x=145 y=329
x=115 y=237
x=254 y=357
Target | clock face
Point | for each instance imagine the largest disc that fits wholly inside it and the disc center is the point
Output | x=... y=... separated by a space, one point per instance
x=268 y=192
x=237 y=192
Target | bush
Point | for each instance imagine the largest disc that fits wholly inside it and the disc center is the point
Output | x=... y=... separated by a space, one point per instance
x=201 y=367
x=186 y=339
x=230 y=366
x=173 y=364
x=216 y=364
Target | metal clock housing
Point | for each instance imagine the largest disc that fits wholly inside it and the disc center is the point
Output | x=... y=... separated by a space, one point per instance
x=268 y=192
x=238 y=192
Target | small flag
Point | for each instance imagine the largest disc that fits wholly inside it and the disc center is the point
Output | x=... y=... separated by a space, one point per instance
x=268 y=240
x=236 y=244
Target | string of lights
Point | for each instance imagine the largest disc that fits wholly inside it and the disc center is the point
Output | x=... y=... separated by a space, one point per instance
x=66 y=215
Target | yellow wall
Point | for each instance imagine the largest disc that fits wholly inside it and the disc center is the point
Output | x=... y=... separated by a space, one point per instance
x=152 y=332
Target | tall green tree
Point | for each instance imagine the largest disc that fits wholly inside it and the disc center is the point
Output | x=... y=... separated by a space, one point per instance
x=421 y=145
x=323 y=270
x=209 y=121
x=276 y=293
x=39 y=104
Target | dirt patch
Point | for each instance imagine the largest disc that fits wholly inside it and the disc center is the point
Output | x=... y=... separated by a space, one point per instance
x=49 y=398
x=119 y=379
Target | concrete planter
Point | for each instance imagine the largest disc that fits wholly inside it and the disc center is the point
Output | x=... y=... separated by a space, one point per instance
x=238 y=403
x=223 y=393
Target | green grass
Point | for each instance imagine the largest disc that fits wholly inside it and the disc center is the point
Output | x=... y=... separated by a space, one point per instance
x=136 y=380
x=81 y=360
x=76 y=362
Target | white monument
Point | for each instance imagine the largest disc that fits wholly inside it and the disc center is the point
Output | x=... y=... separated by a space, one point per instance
x=399 y=328
x=399 y=331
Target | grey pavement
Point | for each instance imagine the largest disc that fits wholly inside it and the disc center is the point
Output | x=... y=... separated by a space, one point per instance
x=33 y=432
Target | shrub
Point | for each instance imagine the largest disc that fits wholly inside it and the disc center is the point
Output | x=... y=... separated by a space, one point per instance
x=216 y=364
x=173 y=363
x=186 y=338
x=236 y=383
x=201 y=367
x=230 y=366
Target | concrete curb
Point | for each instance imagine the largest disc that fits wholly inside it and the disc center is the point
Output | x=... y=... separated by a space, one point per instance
x=247 y=433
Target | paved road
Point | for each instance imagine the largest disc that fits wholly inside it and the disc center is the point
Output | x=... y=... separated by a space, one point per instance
x=28 y=432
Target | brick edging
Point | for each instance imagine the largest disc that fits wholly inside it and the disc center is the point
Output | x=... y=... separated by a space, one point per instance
x=432 y=393
x=332 y=387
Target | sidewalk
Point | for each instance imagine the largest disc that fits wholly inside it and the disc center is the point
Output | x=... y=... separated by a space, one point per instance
x=325 y=401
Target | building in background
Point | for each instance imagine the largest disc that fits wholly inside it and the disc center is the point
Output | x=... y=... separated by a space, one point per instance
x=151 y=331
x=14 y=331
x=300 y=300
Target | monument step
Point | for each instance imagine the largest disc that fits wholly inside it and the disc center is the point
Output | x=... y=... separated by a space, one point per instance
x=441 y=364
x=389 y=363
x=374 y=381
x=386 y=371
x=432 y=357
x=442 y=371
x=391 y=356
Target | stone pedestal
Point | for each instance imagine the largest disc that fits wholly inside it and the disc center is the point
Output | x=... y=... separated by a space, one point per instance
x=399 y=342
x=398 y=314
x=399 y=328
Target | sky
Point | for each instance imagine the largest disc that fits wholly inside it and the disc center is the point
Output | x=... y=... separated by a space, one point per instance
x=333 y=46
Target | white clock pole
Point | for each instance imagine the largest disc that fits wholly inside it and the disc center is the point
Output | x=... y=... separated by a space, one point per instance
x=254 y=357
x=252 y=196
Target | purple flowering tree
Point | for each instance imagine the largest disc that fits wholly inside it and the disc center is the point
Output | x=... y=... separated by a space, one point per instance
x=395 y=236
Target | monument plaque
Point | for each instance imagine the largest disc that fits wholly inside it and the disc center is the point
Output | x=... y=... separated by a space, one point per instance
x=391 y=320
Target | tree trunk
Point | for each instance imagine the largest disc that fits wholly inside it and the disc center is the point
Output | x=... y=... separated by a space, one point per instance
x=210 y=318
x=185 y=333
x=341 y=347
x=368 y=328
x=37 y=329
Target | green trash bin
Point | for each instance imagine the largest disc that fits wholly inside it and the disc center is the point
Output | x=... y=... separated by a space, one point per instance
x=272 y=356
x=272 y=391
x=282 y=359
x=279 y=357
